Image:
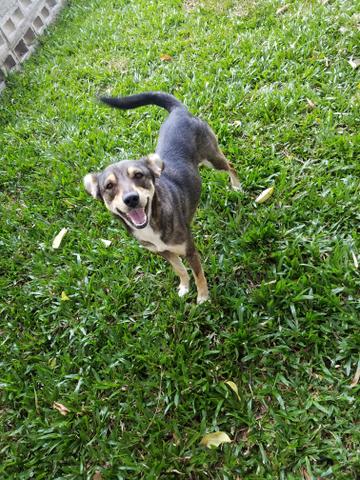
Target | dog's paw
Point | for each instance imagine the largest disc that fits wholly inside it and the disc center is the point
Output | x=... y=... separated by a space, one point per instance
x=202 y=299
x=183 y=290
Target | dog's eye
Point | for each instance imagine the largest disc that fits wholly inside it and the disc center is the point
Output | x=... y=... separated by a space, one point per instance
x=109 y=186
x=138 y=175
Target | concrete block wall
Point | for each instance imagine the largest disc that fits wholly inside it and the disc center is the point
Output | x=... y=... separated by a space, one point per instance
x=21 y=22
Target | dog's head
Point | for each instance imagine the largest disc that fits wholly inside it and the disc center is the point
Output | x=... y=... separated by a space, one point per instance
x=127 y=188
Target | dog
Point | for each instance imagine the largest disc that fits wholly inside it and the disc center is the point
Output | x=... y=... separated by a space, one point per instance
x=156 y=197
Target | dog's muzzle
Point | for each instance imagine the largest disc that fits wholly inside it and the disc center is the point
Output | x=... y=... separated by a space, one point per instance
x=136 y=217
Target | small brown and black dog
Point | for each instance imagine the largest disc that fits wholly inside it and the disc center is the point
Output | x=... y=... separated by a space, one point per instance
x=156 y=196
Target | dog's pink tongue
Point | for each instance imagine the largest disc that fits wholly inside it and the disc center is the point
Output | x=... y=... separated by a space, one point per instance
x=137 y=216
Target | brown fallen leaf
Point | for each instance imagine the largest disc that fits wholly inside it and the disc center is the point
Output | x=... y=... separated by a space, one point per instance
x=282 y=9
x=356 y=376
x=97 y=475
x=354 y=62
x=310 y=103
x=233 y=387
x=305 y=474
x=215 y=439
x=264 y=195
x=61 y=408
x=58 y=239
x=165 y=57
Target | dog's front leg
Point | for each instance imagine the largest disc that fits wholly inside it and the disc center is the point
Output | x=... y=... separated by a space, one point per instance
x=180 y=270
x=194 y=260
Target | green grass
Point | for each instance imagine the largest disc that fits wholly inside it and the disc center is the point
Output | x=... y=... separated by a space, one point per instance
x=142 y=371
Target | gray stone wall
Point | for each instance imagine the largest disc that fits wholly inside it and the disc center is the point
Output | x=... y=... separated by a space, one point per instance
x=21 y=22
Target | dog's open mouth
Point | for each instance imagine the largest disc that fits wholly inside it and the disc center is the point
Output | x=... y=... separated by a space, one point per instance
x=137 y=217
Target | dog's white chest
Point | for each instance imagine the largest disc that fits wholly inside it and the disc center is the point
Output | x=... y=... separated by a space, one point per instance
x=153 y=242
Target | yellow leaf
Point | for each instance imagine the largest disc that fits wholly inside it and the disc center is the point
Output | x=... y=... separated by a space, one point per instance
x=61 y=408
x=215 y=439
x=265 y=195
x=165 y=57
x=233 y=387
x=58 y=239
x=64 y=297
x=52 y=363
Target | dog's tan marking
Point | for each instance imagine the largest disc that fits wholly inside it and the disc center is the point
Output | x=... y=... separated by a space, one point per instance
x=219 y=161
x=206 y=163
x=144 y=193
x=116 y=202
x=155 y=163
x=153 y=242
x=132 y=171
x=110 y=179
x=180 y=270
x=200 y=280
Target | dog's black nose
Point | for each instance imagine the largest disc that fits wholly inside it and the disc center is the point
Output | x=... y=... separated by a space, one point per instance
x=131 y=199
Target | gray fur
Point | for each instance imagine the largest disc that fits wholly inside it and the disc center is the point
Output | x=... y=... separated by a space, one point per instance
x=184 y=142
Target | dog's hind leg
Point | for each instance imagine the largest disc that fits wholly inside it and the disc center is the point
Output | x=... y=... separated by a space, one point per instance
x=219 y=162
x=213 y=156
x=193 y=258
x=180 y=270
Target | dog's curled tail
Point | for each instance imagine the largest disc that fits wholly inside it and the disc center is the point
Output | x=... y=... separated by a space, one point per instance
x=160 y=99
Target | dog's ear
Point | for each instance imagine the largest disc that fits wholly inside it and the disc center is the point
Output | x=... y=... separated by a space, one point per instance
x=154 y=162
x=91 y=184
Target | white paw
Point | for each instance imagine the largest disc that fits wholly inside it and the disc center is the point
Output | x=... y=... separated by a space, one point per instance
x=237 y=187
x=202 y=298
x=183 y=290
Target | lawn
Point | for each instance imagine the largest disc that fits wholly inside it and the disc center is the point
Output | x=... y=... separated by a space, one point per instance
x=102 y=331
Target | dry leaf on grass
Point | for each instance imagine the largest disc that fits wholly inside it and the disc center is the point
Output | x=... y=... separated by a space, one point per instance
x=61 y=408
x=282 y=9
x=356 y=376
x=354 y=62
x=265 y=195
x=233 y=387
x=64 y=297
x=355 y=260
x=310 y=103
x=107 y=243
x=305 y=474
x=215 y=439
x=97 y=476
x=58 y=239
x=165 y=57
